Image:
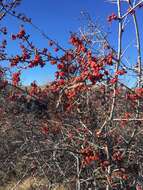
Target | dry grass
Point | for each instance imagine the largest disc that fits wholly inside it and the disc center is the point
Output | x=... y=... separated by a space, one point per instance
x=31 y=184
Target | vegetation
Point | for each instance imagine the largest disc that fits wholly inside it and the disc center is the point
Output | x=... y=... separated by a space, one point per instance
x=84 y=129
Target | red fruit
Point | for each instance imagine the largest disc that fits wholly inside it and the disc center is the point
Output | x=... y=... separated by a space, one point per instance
x=113 y=81
x=61 y=82
x=16 y=78
x=53 y=62
x=15 y=61
x=21 y=33
x=13 y=37
x=110 y=59
x=120 y=72
x=25 y=55
x=112 y=17
x=61 y=74
x=37 y=58
x=96 y=157
x=60 y=66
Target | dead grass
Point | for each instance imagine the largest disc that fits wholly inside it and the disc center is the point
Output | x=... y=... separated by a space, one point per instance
x=31 y=184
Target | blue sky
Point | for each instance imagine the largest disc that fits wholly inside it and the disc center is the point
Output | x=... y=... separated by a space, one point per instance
x=57 y=18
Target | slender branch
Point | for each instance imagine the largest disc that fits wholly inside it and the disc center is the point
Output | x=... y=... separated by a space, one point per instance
x=139 y=69
x=130 y=119
x=120 y=31
x=119 y=53
x=132 y=9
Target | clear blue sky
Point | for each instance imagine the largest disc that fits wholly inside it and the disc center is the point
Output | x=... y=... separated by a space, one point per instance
x=57 y=18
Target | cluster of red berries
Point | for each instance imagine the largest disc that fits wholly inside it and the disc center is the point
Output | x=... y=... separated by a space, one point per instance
x=135 y=95
x=113 y=80
x=109 y=59
x=20 y=35
x=16 y=78
x=121 y=72
x=75 y=41
x=34 y=89
x=89 y=156
x=112 y=17
x=37 y=61
x=25 y=54
x=15 y=61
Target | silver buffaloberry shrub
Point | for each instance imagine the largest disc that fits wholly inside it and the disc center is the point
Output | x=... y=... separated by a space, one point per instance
x=84 y=129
